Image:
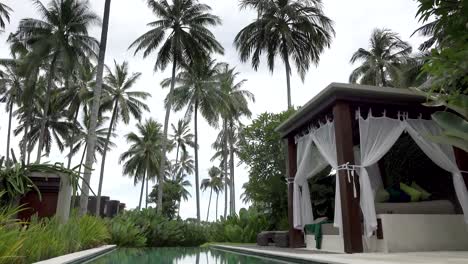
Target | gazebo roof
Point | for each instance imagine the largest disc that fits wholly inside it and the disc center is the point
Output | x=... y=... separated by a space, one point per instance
x=351 y=93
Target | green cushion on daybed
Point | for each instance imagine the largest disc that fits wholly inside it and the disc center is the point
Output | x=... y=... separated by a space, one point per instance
x=382 y=196
x=412 y=192
x=425 y=195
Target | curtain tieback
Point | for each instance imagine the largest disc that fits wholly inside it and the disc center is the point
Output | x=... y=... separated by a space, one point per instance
x=290 y=180
x=350 y=170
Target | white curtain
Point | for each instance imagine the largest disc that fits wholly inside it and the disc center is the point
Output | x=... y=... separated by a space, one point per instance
x=309 y=163
x=442 y=155
x=377 y=136
x=324 y=139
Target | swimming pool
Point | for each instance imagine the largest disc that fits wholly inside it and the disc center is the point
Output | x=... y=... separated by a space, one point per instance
x=180 y=256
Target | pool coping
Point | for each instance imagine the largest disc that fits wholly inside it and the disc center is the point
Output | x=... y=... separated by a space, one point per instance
x=283 y=256
x=80 y=256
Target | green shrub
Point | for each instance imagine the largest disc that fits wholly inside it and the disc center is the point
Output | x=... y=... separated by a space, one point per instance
x=126 y=234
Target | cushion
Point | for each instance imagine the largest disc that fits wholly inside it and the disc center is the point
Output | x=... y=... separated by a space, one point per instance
x=425 y=207
x=397 y=196
x=382 y=196
x=413 y=193
x=425 y=195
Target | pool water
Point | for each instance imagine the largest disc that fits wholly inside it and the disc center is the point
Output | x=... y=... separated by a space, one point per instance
x=179 y=256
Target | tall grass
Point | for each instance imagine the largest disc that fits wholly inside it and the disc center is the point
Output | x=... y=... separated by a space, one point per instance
x=46 y=238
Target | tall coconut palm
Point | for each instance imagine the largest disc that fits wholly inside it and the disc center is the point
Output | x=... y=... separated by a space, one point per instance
x=213 y=183
x=181 y=31
x=180 y=170
x=13 y=82
x=94 y=114
x=222 y=153
x=382 y=61
x=237 y=106
x=124 y=104
x=61 y=37
x=57 y=125
x=293 y=29
x=198 y=90
x=4 y=14
x=144 y=155
x=182 y=137
x=79 y=94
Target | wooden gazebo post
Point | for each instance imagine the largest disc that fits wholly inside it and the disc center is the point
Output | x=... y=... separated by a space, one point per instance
x=296 y=238
x=350 y=209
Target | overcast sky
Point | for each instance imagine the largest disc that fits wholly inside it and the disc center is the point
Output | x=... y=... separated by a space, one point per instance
x=354 y=21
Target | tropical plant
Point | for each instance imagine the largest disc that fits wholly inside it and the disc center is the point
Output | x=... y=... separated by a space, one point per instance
x=59 y=40
x=293 y=29
x=4 y=14
x=381 y=63
x=237 y=106
x=182 y=137
x=13 y=82
x=143 y=158
x=181 y=30
x=125 y=233
x=95 y=107
x=57 y=126
x=198 y=90
x=214 y=183
x=124 y=105
x=266 y=189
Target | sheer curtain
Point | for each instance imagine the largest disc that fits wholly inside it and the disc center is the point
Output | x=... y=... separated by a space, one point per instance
x=442 y=155
x=309 y=163
x=377 y=136
x=324 y=139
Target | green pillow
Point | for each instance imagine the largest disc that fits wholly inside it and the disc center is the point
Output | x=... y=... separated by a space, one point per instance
x=398 y=196
x=412 y=192
x=382 y=196
x=425 y=195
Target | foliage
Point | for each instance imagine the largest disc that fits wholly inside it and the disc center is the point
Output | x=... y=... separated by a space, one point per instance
x=322 y=193
x=447 y=67
x=172 y=195
x=242 y=228
x=125 y=233
x=293 y=29
x=263 y=152
x=382 y=62
x=160 y=231
x=46 y=238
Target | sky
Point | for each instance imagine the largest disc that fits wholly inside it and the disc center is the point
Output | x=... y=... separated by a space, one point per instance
x=353 y=23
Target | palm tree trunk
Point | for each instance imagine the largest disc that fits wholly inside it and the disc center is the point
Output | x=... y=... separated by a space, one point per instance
x=24 y=147
x=91 y=139
x=217 y=195
x=225 y=169
x=104 y=154
x=72 y=140
x=46 y=108
x=146 y=197
x=197 y=185
x=288 y=77
x=177 y=153
x=209 y=204
x=142 y=188
x=231 y=168
x=10 y=116
x=382 y=76
x=164 y=145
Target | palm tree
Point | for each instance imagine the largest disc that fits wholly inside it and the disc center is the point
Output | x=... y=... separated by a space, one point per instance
x=94 y=115
x=222 y=152
x=144 y=155
x=13 y=83
x=124 y=104
x=60 y=38
x=198 y=90
x=4 y=14
x=57 y=125
x=213 y=183
x=183 y=168
x=182 y=137
x=237 y=106
x=292 y=29
x=381 y=63
x=181 y=31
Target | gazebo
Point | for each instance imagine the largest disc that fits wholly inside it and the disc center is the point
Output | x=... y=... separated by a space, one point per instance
x=350 y=128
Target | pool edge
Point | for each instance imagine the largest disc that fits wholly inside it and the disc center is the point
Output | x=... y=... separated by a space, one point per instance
x=80 y=256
